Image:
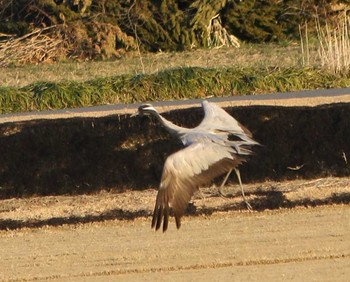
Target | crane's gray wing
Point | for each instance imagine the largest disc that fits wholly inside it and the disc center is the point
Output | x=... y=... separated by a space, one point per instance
x=217 y=119
x=183 y=172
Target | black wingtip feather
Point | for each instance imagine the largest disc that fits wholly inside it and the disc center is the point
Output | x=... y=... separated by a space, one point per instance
x=178 y=221
x=159 y=217
x=154 y=217
x=166 y=219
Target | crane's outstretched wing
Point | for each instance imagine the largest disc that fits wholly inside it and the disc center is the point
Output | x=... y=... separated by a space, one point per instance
x=216 y=118
x=183 y=172
x=220 y=123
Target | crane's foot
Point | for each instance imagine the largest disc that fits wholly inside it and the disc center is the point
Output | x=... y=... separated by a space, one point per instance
x=227 y=196
x=223 y=195
x=230 y=196
x=249 y=207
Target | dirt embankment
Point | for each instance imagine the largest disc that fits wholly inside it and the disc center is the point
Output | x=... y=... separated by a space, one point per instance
x=84 y=155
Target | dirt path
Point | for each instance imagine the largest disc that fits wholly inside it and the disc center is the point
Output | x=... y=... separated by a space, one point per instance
x=271 y=245
x=108 y=237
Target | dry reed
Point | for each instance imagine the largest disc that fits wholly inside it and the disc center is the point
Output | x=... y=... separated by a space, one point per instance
x=332 y=45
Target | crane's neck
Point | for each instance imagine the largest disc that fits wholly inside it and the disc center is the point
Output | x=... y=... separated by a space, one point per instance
x=172 y=128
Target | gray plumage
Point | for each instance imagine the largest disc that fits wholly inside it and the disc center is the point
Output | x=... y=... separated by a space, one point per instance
x=209 y=152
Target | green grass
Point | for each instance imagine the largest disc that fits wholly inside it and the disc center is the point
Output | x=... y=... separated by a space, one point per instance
x=170 y=84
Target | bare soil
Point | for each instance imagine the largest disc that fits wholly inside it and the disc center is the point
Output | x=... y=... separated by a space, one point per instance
x=298 y=230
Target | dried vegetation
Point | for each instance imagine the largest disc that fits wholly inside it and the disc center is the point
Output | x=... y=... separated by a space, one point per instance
x=331 y=46
x=91 y=29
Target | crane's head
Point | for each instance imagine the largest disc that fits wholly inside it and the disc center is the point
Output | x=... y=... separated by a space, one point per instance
x=145 y=110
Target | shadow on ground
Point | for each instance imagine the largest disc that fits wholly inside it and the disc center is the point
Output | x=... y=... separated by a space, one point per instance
x=265 y=200
x=85 y=155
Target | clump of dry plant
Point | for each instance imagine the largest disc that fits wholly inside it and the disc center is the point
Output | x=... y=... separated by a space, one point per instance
x=37 y=46
x=218 y=36
x=334 y=44
x=331 y=51
x=50 y=44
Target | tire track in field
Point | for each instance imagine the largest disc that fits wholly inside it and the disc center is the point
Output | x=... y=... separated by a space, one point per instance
x=215 y=265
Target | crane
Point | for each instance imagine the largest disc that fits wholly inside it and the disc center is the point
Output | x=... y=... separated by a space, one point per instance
x=218 y=145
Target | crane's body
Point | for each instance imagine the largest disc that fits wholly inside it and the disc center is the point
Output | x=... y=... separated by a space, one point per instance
x=209 y=152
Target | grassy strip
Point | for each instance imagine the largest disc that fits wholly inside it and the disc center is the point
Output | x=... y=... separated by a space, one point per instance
x=171 y=84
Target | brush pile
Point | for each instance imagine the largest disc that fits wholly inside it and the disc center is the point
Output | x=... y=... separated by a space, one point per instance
x=45 y=31
x=36 y=47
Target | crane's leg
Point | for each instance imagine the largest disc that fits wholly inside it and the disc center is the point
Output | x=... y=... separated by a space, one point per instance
x=223 y=184
x=249 y=207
